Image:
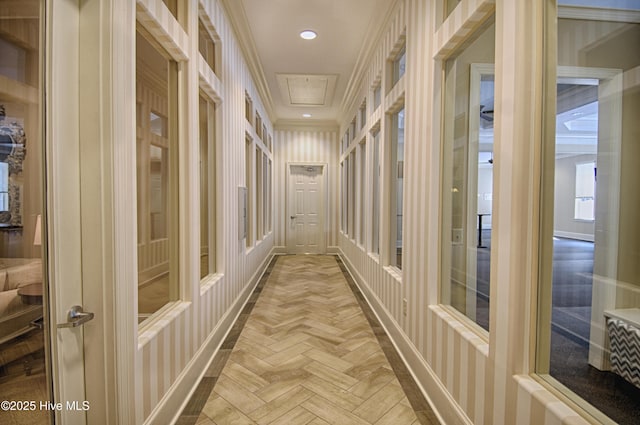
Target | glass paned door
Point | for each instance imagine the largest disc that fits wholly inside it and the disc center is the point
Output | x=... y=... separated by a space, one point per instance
x=25 y=379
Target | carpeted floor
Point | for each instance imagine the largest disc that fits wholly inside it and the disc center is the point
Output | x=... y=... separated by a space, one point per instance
x=23 y=377
x=570 y=323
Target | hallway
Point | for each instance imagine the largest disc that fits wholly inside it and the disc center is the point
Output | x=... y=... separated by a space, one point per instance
x=303 y=352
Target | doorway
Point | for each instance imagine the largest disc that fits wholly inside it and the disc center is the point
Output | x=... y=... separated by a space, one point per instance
x=42 y=370
x=306 y=208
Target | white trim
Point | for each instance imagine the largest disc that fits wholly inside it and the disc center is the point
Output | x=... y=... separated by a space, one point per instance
x=125 y=249
x=61 y=119
x=572 y=235
x=324 y=196
x=598 y=14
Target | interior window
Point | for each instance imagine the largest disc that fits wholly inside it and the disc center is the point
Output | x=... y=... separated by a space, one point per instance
x=589 y=330
x=375 y=194
x=207 y=132
x=397 y=188
x=468 y=178
x=206 y=45
x=156 y=159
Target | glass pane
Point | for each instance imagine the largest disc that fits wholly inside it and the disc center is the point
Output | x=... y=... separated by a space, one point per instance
x=449 y=6
x=343 y=198
x=259 y=195
x=248 y=109
x=4 y=187
x=156 y=180
x=397 y=187
x=377 y=97
x=172 y=5
x=206 y=46
x=269 y=191
x=347 y=194
x=362 y=191
x=24 y=343
x=265 y=193
x=468 y=178
x=158 y=124
x=593 y=330
x=205 y=241
x=248 y=169
x=352 y=194
x=375 y=195
x=399 y=66
x=158 y=173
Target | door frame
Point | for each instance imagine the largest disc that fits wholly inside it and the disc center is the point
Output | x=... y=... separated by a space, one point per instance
x=605 y=255
x=610 y=87
x=62 y=204
x=324 y=208
x=89 y=125
x=476 y=72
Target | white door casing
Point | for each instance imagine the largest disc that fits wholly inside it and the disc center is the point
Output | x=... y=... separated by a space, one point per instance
x=63 y=206
x=306 y=207
x=90 y=184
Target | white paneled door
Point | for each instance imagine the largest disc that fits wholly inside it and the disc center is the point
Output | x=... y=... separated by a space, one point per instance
x=306 y=209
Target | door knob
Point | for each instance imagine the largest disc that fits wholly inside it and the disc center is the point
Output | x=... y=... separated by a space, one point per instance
x=76 y=317
x=292 y=217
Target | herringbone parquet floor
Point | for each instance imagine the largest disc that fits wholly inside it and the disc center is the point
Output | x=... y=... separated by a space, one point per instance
x=307 y=355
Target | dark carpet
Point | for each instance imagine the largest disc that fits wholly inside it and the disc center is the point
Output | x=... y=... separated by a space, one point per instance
x=570 y=325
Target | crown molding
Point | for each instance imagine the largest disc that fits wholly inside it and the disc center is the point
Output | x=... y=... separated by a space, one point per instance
x=236 y=15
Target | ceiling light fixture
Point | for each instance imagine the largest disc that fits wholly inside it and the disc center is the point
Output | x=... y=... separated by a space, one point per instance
x=308 y=34
x=306 y=115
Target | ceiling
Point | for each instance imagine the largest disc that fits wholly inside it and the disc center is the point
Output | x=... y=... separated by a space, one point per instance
x=296 y=76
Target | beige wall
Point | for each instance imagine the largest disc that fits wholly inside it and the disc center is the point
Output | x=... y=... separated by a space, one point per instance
x=305 y=144
x=629 y=243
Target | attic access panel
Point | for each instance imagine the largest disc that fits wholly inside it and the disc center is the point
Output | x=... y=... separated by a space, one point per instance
x=307 y=89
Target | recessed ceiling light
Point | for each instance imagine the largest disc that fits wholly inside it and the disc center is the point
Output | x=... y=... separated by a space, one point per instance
x=306 y=115
x=308 y=34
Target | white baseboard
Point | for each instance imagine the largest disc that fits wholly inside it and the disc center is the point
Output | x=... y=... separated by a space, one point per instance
x=280 y=250
x=572 y=235
x=176 y=399
x=436 y=394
